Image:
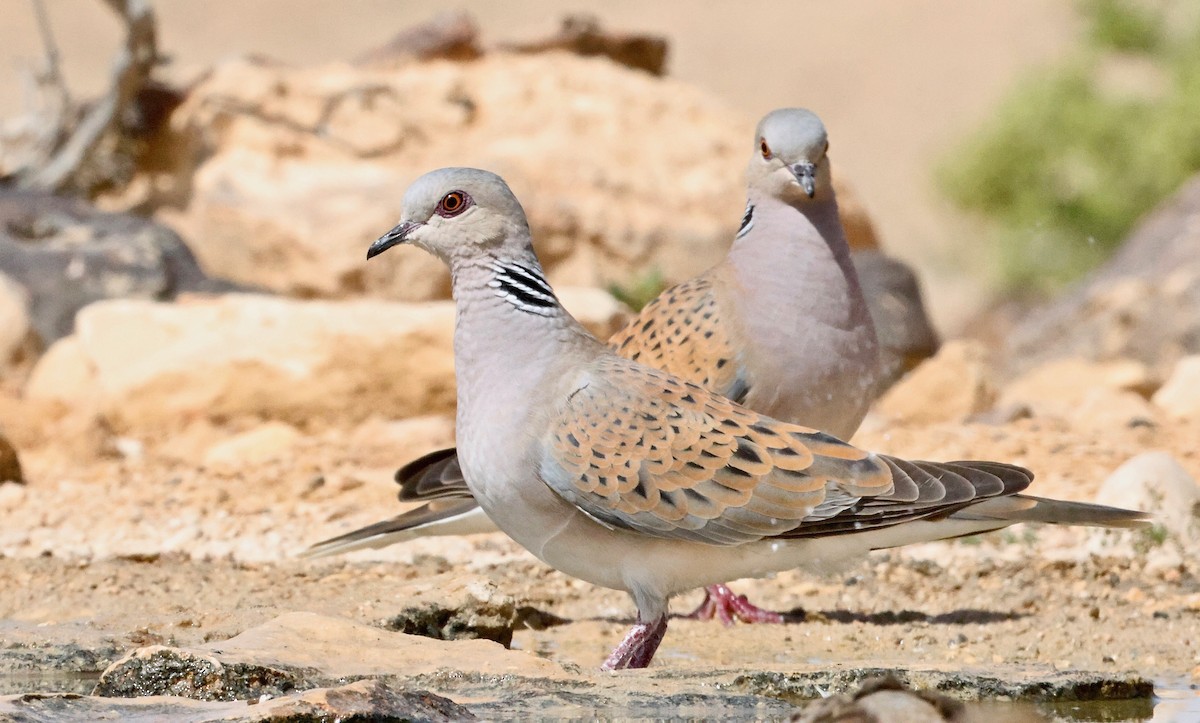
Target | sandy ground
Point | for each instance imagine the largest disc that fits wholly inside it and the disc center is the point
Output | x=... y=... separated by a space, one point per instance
x=897 y=83
x=114 y=553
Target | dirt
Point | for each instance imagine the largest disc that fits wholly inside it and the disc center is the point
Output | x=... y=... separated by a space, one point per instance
x=102 y=555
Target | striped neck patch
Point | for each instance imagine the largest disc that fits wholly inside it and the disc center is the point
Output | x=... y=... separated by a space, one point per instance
x=747 y=221
x=524 y=287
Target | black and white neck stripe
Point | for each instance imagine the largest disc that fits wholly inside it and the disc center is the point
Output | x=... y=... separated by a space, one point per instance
x=747 y=221
x=524 y=287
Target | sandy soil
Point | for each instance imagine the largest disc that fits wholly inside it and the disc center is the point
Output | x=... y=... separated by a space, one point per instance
x=151 y=549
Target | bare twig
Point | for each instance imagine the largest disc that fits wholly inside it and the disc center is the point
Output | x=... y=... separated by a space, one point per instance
x=84 y=161
x=51 y=75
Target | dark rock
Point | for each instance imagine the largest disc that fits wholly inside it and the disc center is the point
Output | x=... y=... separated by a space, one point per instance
x=67 y=254
x=449 y=35
x=1143 y=304
x=893 y=293
x=10 y=465
x=365 y=700
x=1032 y=685
x=161 y=670
x=453 y=607
x=582 y=35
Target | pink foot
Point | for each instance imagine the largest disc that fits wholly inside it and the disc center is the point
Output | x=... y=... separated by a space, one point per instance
x=637 y=649
x=726 y=605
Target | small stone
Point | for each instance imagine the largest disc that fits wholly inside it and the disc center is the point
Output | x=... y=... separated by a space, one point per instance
x=1156 y=483
x=265 y=443
x=1180 y=395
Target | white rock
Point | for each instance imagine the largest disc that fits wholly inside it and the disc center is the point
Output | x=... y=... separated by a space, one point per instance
x=1057 y=387
x=265 y=443
x=1180 y=396
x=1156 y=483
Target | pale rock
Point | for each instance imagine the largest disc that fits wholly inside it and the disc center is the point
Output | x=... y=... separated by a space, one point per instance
x=950 y=386
x=144 y=365
x=1153 y=482
x=65 y=374
x=265 y=443
x=1104 y=409
x=1057 y=387
x=596 y=309
x=157 y=365
x=1180 y=395
x=286 y=174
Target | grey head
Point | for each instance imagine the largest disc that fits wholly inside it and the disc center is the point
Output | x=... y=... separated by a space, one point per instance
x=789 y=157
x=459 y=213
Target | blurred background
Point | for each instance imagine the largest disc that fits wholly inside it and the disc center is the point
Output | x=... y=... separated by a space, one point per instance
x=905 y=89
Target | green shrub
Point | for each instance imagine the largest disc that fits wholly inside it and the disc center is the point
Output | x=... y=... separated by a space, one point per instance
x=1065 y=167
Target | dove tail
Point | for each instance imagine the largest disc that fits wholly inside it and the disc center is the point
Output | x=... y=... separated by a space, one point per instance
x=1026 y=508
x=458 y=517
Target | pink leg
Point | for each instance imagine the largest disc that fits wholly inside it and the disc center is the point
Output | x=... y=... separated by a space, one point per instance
x=726 y=605
x=637 y=649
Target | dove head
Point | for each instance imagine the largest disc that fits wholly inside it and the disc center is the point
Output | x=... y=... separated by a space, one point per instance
x=789 y=159
x=456 y=213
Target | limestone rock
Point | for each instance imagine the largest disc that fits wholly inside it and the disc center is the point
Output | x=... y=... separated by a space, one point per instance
x=305 y=650
x=158 y=364
x=1180 y=395
x=146 y=365
x=265 y=443
x=1140 y=305
x=953 y=385
x=1154 y=482
x=287 y=174
x=67 y=254
x=1059 y=386
x=1107 y=409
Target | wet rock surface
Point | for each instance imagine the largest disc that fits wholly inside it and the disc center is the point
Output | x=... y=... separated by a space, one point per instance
x=368 y=700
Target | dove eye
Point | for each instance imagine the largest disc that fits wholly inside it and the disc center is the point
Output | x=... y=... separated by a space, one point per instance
x=452 y=204
x=766 y=150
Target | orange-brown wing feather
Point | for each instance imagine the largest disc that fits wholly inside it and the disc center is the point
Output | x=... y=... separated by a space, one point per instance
x=635 y=448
